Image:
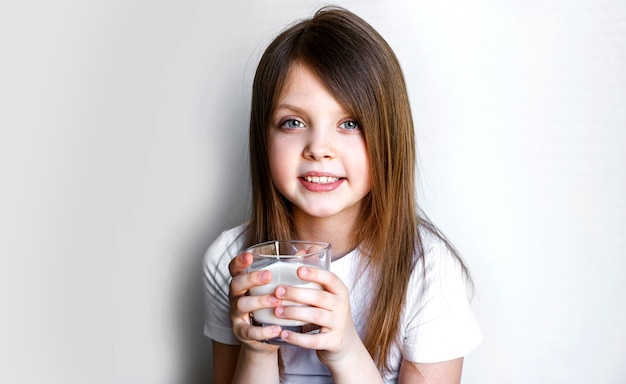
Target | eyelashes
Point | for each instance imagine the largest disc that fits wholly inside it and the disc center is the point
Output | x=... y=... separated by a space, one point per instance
x=293 y=123
x=350 y=125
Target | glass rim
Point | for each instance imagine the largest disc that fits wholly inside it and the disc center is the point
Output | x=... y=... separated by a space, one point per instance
x=325 y=247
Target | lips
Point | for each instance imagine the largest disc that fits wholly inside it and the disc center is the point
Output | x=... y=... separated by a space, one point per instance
x=321 y=183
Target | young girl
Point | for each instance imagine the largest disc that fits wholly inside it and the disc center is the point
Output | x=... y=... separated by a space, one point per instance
x=332 y=158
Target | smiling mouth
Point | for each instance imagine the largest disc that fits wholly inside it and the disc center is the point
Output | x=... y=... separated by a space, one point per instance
x=321 y=179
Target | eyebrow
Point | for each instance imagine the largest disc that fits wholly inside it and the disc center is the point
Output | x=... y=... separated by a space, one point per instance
x=301 y=110
x=288 y=106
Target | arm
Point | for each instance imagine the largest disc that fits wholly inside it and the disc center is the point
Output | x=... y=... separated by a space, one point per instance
x=224 y=362
x=356 y=367
x=446 y=372
x=337 y=344
x=235 y=364
x=256 y=366
x=253 y=361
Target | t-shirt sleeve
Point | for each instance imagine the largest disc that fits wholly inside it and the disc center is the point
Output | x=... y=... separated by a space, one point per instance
x=216 y=279
x=440 y=323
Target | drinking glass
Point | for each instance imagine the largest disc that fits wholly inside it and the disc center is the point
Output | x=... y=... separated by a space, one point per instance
x=283 y=258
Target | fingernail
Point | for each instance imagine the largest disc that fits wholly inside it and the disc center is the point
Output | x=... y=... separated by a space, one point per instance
x=279 y=311
x=280 y=291
x=304 y=271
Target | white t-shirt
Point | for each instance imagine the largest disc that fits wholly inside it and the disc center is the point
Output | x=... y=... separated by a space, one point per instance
x=437 y=323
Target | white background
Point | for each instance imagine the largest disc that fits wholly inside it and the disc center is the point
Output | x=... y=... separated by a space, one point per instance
x=122 y=156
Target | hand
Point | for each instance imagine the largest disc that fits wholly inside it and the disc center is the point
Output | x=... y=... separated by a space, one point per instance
x=329 y=308
x=241 y=304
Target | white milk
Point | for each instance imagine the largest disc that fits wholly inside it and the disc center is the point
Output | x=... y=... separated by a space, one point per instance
x=282 y=274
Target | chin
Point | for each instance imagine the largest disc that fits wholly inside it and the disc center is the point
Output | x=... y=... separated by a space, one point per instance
x=326 y=213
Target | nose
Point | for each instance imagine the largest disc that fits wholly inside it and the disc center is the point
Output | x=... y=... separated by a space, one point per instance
x=320 y=145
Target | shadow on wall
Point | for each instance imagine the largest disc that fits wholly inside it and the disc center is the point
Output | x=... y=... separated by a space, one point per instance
x=226 y=207
x=196 y=359
x=196 y=350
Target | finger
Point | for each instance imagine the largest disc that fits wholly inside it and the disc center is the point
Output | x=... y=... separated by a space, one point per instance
x=314 y=306
x=247 y=304
x=306 y=296
x=328 y=280
x=256 y=333
x=239 y=263
x=313 y=248
x=316 y=341
x=240 y=284
x=310 y=315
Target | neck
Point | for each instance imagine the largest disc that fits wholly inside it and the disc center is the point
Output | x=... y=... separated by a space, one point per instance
x=338 y=231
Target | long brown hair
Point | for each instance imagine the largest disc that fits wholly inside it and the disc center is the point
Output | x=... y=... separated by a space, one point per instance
x=362 y=72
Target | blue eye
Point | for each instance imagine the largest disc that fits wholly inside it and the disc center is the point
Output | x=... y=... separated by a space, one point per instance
x=292 y=124
x=350 y=125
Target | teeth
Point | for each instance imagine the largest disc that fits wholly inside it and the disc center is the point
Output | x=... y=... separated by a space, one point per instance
x=321 y=179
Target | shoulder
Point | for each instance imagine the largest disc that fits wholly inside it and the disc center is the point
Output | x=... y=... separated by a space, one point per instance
x=439 y=324
x=439 y=270
x=227 y=245
x=432 y=241
x=439 y=255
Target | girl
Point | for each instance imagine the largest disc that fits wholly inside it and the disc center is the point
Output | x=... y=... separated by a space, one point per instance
x=332 y=159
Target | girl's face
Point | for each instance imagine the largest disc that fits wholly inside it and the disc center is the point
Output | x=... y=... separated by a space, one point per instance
x=317 y=153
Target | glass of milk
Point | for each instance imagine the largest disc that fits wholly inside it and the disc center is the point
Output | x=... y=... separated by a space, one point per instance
x=282 y=259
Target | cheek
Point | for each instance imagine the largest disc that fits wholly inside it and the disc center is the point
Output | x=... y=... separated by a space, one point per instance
x=279 y=162
x=362 y=158
x=367 y=176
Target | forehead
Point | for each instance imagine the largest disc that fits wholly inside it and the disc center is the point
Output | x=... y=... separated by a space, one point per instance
x=303 y=87
x=300 y=79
